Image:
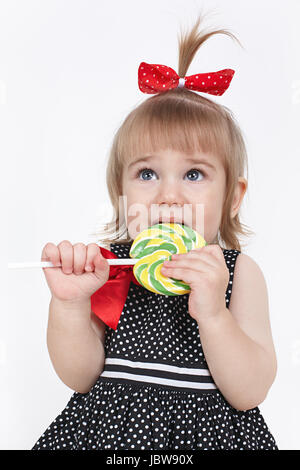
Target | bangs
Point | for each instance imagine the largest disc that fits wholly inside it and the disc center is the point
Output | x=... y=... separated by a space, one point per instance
x=171 y=122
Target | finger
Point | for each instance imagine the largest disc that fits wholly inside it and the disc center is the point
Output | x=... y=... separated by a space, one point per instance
x=196 y=264
x=183 y=274
x=92 y=250
x=50 y=252
x=101 y=264
x=197 y=255
x=66 y=255
x=216 y=253
x=79 y=251
x=206 y=256
x=214 y=250
x=212 y=255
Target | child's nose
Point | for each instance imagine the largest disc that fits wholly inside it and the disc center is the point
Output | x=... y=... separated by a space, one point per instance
x=170 y=193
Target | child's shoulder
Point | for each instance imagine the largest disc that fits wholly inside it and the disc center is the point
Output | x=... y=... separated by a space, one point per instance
x=247 y=273
x=249 y=289
x=247 y=268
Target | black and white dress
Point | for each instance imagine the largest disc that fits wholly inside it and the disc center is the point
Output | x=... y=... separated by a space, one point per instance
x=156 y=391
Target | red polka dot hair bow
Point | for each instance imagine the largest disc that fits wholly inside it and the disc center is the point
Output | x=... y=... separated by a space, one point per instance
x=154 y=78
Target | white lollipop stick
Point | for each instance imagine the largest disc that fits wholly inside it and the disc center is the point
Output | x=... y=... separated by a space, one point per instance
x=48 y=264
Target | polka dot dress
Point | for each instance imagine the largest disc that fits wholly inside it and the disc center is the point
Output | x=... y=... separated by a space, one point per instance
x=156 y=391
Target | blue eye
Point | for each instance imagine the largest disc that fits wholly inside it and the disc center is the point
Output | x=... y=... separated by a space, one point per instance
x=194 y=170
x=148 y=170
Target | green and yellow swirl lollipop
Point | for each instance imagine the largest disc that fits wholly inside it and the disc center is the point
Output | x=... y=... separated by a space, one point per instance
x=155 y=245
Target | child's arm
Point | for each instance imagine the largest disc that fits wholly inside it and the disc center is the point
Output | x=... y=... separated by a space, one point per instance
x=75 y=343
x=238 y=344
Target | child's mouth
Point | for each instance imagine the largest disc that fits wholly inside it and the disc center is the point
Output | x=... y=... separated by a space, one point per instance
x=169 y=220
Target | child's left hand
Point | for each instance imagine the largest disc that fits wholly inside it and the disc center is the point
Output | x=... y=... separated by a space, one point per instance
x=205 y=270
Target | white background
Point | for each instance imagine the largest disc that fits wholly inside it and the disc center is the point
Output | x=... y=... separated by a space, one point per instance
x=68 y=78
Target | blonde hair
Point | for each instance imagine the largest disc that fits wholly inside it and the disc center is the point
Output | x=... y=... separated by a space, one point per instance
x=181 y=120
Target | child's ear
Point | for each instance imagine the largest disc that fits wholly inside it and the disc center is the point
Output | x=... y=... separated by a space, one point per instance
x=239 y=193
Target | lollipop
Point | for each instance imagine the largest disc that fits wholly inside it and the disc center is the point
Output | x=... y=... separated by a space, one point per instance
x=155 y=245
x=148 y=252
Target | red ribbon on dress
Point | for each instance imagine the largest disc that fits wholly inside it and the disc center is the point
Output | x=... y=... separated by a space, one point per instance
x=156 y=78
x=108 y=301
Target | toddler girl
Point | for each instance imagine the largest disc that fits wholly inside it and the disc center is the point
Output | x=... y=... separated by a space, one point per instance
x=165 y=372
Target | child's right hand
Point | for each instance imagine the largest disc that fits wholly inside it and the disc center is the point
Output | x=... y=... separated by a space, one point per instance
x=71 y=282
